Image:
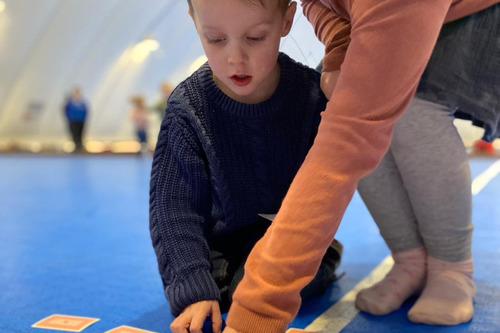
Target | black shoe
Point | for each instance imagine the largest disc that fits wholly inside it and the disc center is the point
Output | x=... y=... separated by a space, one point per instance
x=326 y=272
x=333 y=254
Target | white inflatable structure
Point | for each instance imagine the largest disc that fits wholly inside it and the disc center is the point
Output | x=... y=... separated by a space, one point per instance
x=112 y=49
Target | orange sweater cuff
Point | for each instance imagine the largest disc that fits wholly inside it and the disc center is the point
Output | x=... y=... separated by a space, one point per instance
x=246 y=321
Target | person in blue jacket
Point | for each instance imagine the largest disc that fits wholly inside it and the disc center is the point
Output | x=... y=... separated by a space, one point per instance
x=76 y=111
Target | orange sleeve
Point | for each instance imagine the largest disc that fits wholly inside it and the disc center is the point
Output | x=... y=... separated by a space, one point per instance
x=331 y=29
x=390 y=44
x=461 y=8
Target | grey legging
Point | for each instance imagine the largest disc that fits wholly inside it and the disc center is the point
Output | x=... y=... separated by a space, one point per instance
x=420 y=194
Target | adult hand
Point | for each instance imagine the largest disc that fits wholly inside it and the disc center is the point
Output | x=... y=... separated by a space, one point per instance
x=192 y=318
x=328 y=82
x=229 y=330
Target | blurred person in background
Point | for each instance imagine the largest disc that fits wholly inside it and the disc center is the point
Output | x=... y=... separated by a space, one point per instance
x=165 y=91
x=139 y=116
x=76 y=111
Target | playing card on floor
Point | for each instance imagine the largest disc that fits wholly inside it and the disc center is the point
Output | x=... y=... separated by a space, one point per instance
x=65 y=323
x=128 y=329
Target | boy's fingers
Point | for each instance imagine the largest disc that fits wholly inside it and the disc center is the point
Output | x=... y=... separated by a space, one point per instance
x=180 y=324
x=196 y=325
x=191 y=320
x=216 y=318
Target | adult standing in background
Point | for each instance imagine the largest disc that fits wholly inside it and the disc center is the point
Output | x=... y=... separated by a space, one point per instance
x=76 y=111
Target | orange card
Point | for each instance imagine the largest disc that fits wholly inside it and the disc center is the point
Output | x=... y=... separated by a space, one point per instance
x=297 y=330
x=65 y=323
x=127 y=329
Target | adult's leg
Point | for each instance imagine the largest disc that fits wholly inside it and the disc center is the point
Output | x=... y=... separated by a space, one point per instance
x=387 y=200
x=435 y=171
x=433 y=167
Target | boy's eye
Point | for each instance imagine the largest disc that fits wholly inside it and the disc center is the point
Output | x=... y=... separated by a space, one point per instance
x=256 y=39
x=215 y=40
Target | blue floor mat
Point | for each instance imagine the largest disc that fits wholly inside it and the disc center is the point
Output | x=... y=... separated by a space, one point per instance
x=75 y=240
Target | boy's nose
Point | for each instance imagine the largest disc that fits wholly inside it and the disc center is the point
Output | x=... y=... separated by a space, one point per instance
x=236 y=55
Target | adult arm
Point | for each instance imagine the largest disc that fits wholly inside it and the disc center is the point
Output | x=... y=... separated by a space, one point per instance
x=334 y=32
x=390 y=44
x=331 y=29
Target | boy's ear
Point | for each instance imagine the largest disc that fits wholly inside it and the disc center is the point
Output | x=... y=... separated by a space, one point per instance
x=288 y=19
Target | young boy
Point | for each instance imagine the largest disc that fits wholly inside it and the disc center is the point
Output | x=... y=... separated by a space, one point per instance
x=233 y=136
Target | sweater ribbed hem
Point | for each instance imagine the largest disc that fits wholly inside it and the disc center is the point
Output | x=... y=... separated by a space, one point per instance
x=197 y=286
x=247 y=321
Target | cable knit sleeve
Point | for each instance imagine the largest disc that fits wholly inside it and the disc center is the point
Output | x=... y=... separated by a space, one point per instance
x=391 y=42
x=332 y=30
x=179 y=208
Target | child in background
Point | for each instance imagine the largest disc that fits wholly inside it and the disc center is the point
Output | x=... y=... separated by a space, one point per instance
x=139 y=116
x=233 y=136
x=165 y=90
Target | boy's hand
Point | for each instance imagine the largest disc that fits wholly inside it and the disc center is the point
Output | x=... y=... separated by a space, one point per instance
x=192 y=318
x=229 y=330
x=328 y=82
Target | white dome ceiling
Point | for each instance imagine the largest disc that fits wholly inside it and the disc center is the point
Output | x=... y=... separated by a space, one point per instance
x=49 y=46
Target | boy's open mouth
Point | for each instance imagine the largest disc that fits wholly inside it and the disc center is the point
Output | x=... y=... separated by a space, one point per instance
x=241 y=80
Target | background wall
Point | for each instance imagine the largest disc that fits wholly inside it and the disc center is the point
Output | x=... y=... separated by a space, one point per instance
x=47 y=47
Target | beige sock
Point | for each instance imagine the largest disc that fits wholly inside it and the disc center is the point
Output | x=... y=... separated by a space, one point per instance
x=405 y=278
x=447 y=296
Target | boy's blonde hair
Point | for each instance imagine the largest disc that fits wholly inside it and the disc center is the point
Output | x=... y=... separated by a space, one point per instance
x=283 y=4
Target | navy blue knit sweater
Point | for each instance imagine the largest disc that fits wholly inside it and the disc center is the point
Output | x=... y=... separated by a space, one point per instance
x=218 y=163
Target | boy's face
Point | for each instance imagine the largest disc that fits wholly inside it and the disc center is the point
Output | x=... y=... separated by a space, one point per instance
x=241 y=41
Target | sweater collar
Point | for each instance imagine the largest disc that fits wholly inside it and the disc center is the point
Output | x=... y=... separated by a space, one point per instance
x=238 y=109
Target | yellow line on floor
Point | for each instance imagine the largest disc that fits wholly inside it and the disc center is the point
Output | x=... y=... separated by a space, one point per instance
x=483 y=179
x=341 y=313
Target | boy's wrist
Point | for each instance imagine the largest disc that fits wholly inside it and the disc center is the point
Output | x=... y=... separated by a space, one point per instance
x=197 y=286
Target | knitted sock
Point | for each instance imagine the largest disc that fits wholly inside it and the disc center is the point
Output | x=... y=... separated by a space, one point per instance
x=405 y=278
x=447 y=296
